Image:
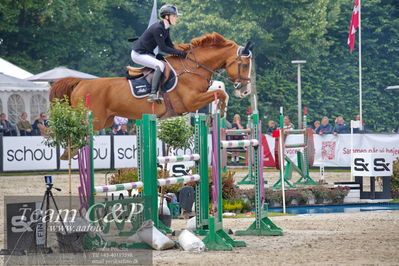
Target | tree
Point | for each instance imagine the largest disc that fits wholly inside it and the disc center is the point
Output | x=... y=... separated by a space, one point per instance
x=68 y=128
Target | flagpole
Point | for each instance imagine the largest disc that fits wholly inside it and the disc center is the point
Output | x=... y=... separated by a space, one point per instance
x=360 y=67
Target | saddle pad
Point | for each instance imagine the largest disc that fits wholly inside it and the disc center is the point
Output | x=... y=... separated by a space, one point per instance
x=140 y=88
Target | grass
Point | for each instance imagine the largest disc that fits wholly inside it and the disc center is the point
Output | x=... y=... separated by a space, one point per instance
x=270 y=214
x=394 y=201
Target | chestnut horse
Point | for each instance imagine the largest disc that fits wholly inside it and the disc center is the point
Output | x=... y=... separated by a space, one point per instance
x=111 y=97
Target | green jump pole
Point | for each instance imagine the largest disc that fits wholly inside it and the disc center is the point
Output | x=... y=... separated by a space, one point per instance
x=262 y=226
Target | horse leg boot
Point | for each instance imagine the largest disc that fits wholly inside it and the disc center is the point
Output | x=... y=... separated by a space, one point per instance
x=156 y=84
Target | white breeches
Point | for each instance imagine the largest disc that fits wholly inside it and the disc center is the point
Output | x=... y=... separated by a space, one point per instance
x=147 y=60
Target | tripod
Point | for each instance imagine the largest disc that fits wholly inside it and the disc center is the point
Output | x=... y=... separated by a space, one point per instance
x=46 y=199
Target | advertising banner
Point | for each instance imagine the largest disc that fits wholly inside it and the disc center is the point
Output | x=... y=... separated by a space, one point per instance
x=102 y=154
x=335 y=151
x=30 y=153
x=27 y=153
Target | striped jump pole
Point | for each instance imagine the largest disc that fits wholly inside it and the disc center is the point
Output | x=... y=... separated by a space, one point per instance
x=239 y=143
x=136 y=185
x=180 y=158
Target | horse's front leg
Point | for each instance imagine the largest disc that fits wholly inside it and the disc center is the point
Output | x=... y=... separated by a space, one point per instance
x=205 y=98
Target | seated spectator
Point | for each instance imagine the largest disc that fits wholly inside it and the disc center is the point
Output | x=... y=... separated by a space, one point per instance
x=123 y=130
x=316 y=125
x=271 y=127
x=359 y=130
x=24 y=126
x=287 y=123
x=235 y=156
x=40 y=125
x=325 y=127
x=340 y=126
x=114 y=130
x=118 y=120
x=6 y=129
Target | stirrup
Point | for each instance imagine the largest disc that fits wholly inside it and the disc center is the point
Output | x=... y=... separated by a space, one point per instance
x=155 y=98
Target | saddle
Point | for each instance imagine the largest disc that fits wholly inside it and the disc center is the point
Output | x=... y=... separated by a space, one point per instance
x=147 y=73
x=140 y=80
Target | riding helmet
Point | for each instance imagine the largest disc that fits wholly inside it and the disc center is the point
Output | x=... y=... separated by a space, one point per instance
x=168 y=9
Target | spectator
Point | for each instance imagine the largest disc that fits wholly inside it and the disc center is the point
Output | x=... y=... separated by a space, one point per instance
x=287 y=123
x=24 y=127
x=6 y=129
x=114 y=130
x=325 y=127
x=340 y=126
x=316 y=125
x=133 y=130
x=123 y=130
x=271 y=127
x=40 y=125
x=359 y=130
x=120 y=121
x=235 y=156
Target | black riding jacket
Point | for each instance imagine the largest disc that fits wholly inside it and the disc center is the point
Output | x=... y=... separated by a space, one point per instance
x=156 y=35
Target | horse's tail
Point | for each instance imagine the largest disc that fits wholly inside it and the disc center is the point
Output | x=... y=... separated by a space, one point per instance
x=63 y=87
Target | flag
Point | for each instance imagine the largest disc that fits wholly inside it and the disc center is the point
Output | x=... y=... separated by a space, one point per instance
x=153 y=19
x=353 y=26
x=154 y=16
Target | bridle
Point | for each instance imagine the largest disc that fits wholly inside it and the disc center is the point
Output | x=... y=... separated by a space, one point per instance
x=238 y=83
x=239 y=58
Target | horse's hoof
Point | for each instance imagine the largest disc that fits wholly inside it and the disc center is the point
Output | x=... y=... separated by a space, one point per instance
x=209 y=121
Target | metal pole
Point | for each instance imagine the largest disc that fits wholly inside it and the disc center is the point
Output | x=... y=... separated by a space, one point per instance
x=299 y=97
x=281 y=159
x=299 y=62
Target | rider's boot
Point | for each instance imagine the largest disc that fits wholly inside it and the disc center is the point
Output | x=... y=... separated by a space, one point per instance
x=156 y=84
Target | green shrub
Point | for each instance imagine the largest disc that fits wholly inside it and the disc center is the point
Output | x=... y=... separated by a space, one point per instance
x=229 y=189
x=292 y=194
x=233 y=205
x=305 y=195
x=337 y=194
x=125 y=175
x=320 y=193
x=273 y=196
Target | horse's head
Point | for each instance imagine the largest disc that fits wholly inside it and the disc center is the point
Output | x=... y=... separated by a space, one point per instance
x=238 y=66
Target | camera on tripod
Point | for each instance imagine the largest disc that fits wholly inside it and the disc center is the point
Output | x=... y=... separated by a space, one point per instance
x=48 y=179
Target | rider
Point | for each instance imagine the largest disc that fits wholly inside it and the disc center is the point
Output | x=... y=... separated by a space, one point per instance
x=157 y=35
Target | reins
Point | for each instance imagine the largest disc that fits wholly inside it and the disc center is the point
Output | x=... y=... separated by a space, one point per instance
x=186 y=70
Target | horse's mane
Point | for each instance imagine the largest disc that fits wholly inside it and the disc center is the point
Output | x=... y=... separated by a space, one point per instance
x=212 y=39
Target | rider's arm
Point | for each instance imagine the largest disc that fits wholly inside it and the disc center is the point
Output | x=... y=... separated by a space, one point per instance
x=160 y=39
x=169 y=42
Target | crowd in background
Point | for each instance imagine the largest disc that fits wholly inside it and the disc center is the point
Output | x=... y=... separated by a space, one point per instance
x=38 y=128
x=121 y=126
x=23 y=126
x=322 y=127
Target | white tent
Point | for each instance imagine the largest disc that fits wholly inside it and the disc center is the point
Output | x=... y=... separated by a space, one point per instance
x=12 y=70
x=59 y=73
x=18 y=95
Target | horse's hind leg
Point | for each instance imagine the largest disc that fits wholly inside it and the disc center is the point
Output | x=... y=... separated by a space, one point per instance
x=109 y=122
